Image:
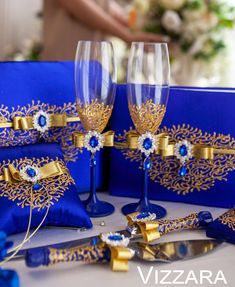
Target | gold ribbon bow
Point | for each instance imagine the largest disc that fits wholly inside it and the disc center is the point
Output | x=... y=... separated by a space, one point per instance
x=52 y=169
x=119 y=258
x=148 y=229
x=165 y=148
x=78 y=139
x=26 y=123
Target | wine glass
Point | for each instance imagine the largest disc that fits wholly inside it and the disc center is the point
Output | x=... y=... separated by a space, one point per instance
x=148 y=78
x=95 y=83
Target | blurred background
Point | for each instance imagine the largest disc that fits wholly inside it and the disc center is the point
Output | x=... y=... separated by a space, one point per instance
x=200 y=33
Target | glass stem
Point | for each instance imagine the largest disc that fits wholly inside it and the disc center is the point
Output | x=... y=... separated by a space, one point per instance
x=144 y=199
x=93 y=196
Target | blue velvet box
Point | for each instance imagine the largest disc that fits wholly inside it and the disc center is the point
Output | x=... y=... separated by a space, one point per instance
x=203 y=116
x=27 y=87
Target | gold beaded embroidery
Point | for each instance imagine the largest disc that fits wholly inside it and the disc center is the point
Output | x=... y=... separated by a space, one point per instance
x=52 y=188
x=228 y=219
x=11 y=137
x=202 y=173
x=94 y=116
x=147 y=117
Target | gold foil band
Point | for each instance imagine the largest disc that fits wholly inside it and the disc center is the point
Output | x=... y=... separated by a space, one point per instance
x=52 y=169
x=78 y=139
x=26 y=123
x=166 y=149
x=148 y=229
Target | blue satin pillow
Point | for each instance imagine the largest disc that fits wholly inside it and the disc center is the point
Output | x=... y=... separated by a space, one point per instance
x=29 y=87
x=223 y=228
x=56 y=189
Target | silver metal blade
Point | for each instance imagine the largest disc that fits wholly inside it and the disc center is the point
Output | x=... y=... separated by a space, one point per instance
x=67 y=244
x=173 y=251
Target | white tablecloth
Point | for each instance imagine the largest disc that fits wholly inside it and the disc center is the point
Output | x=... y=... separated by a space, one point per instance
x=97 y=275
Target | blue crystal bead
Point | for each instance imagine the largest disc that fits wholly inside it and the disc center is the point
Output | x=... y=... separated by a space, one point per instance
x=147 y=143
x=142 y=215
x=31 y=172
x=37 y=186
x=42 y=121
x=94 y=141
x=115 y=237
x=147 y=163
x=183 y=150
x=182 y=171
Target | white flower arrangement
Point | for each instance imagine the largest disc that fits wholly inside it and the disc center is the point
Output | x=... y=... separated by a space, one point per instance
x=191 y=24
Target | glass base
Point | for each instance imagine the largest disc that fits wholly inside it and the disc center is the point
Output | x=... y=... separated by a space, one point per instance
x=137 y=207
x=98 y=208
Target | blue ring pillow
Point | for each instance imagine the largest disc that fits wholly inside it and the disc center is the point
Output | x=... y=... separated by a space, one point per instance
x=58 y=192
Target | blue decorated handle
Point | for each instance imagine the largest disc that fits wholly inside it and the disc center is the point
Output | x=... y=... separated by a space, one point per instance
x=192 y=221
x=50 y=256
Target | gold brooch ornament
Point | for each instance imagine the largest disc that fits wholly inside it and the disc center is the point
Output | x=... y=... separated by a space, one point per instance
x=30 y=173
x=183 y=152
x=147 y=143
x=93 y=141
x=41 y=121
x=120 y=253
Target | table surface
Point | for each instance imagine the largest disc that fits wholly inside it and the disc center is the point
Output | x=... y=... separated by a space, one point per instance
x=77 y=274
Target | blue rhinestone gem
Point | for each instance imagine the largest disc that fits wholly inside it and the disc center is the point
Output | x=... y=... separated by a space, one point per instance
x=183 y=150
x=182 y=171
x=31 y=172
x=42 y=121
x=183 y=249
x=37 y=186
x=147 y=143
x=94 y=141
x=147 y=163
x=142 y=215
x=115 y=237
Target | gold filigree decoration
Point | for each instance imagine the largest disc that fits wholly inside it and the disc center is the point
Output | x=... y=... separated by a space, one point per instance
x=228 y=219
x=11 y=137
x=147 y=117
x=52 y=188
x=94 y=116
x=202 y=173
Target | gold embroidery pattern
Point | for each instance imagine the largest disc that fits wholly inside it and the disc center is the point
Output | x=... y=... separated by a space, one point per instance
x=202 y=173
x=52 y=188
x=87 y=254
x=94 y=116
x=167 y=226
x=228 y=219
x=11 y=137
x=147 y=117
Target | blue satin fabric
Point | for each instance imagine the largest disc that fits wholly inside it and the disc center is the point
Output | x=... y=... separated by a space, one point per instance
x=9 y=278
x=51 y=83
x=210 y=110
x=221 y=231
x=67 y=211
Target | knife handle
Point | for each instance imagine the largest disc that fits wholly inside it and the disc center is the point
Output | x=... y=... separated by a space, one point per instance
x=192 y=221
x=50 y=256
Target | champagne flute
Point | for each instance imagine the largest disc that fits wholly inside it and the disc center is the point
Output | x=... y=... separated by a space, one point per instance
x=95 y=83
x=148 y=78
